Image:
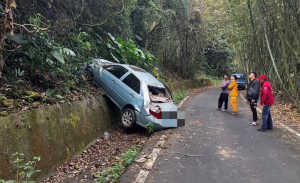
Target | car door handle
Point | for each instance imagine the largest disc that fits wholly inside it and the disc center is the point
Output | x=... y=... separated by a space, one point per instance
x=132 y=95
x=114 y=81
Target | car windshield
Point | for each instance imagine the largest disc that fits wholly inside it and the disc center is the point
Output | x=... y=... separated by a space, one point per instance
x=159 y=95
x=240 y=77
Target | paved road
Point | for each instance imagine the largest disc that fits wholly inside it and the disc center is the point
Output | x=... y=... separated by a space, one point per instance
x=219 y=147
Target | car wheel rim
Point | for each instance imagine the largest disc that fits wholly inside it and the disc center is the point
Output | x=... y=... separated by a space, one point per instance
x=127 y=118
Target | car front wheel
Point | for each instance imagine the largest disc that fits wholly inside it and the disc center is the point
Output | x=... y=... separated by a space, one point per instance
x=128 y=118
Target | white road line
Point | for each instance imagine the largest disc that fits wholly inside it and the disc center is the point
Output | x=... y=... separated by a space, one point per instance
x=181 y=103
x=141 y=178
x=289 y=129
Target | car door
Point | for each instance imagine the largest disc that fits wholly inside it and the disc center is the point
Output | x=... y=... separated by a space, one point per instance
x=110 y=77
x=129 y=91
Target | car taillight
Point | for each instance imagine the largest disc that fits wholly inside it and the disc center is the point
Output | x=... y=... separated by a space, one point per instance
x=157 y=114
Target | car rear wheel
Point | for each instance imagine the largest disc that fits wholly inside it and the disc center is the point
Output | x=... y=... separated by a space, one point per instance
x=128 y=118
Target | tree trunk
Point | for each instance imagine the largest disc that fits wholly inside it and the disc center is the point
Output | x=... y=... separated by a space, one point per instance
x=7 y=26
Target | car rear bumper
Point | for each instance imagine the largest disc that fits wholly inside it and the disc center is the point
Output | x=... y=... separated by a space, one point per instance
x=159 y=124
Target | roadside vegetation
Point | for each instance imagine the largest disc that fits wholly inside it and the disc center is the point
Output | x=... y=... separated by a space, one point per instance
x=24 y=171
x=180 y=95
x=150 y=128
x=116 y=170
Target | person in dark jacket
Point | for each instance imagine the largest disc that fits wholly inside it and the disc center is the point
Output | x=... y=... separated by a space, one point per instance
x=224 y=94
x=266 y=100
x=252 y=96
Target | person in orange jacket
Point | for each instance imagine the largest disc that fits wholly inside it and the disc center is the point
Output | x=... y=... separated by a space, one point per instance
x=233 y=87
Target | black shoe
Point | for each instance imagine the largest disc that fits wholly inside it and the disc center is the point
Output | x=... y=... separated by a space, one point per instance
x=271 y=129
x=262 y=130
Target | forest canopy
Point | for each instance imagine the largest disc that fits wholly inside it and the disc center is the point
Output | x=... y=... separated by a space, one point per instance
x=265 y=36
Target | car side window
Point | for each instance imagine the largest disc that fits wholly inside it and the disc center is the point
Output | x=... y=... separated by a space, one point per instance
x=116 y=70
x=133 y=82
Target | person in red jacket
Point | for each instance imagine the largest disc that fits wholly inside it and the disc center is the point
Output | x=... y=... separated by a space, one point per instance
x=267 y=100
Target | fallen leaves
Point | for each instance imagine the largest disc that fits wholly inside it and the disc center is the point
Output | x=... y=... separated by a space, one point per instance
x=97 y=157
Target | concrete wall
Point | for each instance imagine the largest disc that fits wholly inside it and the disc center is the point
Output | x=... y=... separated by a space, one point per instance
x=54 y=134
x=58 y=133
x=188 y=84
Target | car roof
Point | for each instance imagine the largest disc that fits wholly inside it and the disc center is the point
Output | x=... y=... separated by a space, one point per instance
x=143 y=75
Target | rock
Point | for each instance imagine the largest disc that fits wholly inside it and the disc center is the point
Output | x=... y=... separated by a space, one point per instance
x=3 y=113
x=3 y=98
x=7 y=103
x=106 y=135
x=33 y=95
x=36 y=104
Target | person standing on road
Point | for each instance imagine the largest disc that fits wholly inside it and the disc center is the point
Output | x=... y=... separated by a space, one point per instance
x=252 y=96
x=233 y=87
x=266 y=100
x=224 y=94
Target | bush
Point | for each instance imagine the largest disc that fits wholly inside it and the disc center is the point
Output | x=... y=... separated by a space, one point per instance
x=181 y=94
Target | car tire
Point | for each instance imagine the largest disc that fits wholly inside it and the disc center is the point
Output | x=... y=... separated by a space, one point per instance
x=128 y=118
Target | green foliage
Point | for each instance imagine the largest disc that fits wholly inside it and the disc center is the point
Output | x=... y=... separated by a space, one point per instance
x=150 y=128
x=24 y=170
x=15 y=77
x=129 y=53
x=115 y=171
x=181 y=94
x=50 y=63
x=215 y=81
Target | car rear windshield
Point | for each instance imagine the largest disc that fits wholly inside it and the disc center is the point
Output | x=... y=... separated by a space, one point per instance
x=159 y=95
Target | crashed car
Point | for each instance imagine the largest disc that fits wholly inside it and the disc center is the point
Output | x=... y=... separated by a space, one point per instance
x=141 y=97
